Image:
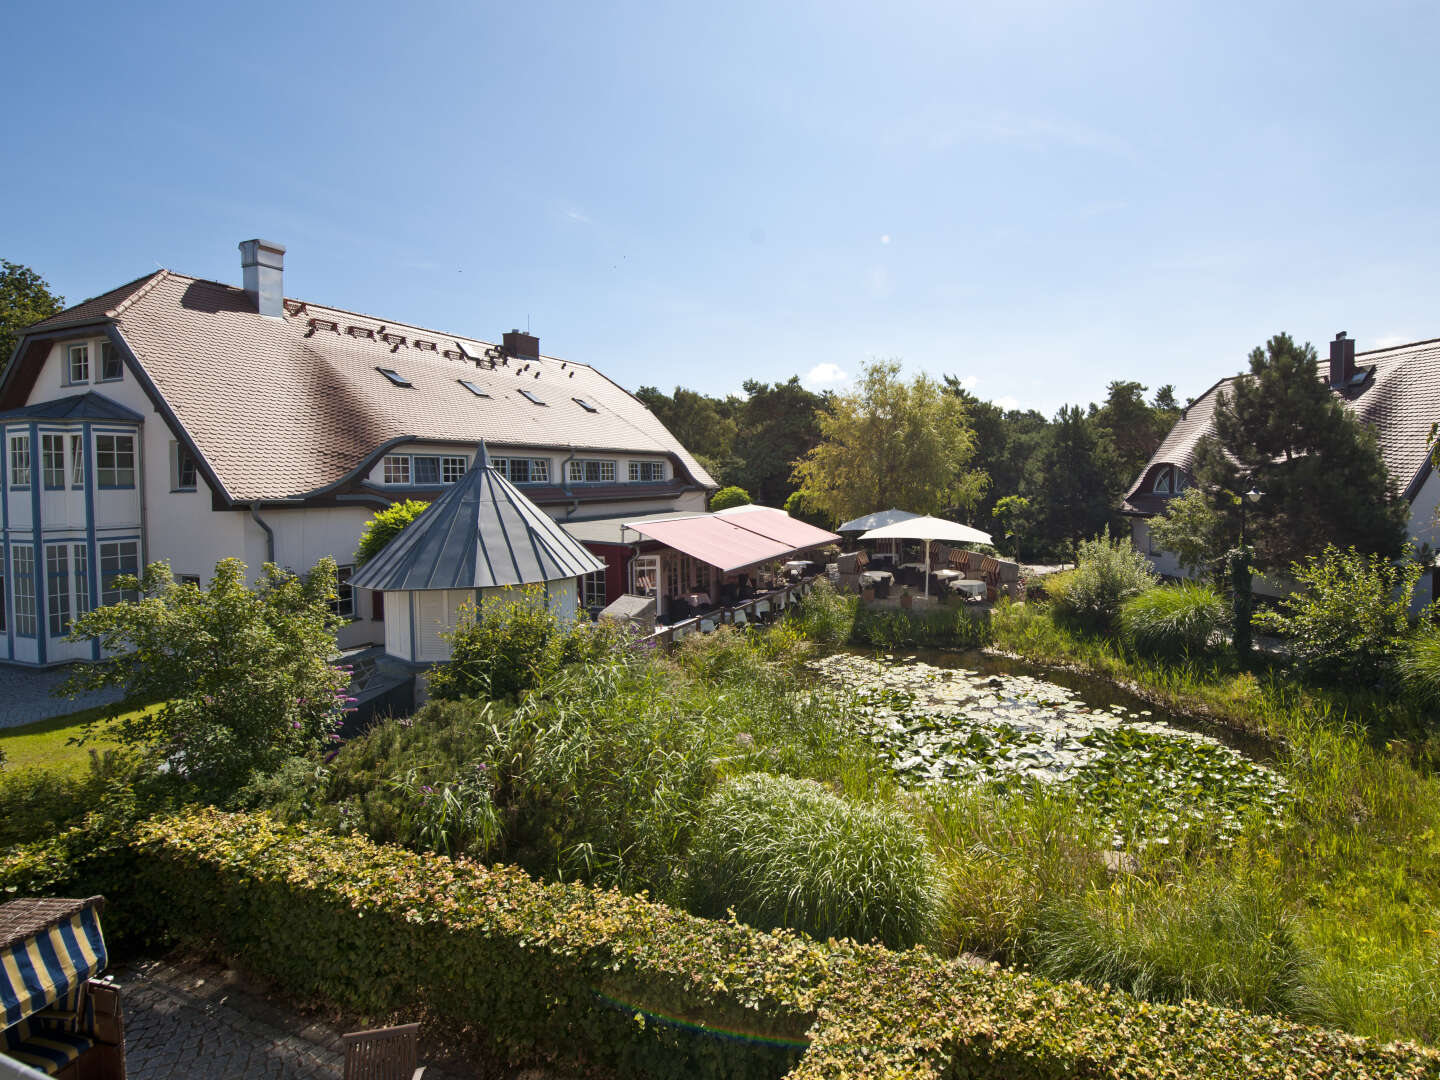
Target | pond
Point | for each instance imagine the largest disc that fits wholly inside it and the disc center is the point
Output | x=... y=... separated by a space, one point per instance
x=967 y=718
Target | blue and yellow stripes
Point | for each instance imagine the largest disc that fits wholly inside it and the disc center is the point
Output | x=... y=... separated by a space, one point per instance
x=41 y=970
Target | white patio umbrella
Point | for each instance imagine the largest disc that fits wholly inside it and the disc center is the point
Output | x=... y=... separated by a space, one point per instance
x=928 y=528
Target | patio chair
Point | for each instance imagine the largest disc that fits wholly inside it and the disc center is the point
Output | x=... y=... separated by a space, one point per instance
x=383 y=1053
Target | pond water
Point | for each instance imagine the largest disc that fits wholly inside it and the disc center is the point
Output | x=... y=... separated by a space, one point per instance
x=947 y=718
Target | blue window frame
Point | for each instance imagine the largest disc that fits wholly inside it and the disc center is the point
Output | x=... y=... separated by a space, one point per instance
x=115 y=461
x=22 y=565
x=20 y=461
x=52 y=461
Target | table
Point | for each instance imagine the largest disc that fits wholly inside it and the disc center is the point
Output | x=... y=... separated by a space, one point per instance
x=968 y=587
x=922 y=567
x=947 y=575
x=877 y=577
x=696 y=599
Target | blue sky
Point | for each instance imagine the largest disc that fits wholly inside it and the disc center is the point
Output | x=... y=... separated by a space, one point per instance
x=1039 y=197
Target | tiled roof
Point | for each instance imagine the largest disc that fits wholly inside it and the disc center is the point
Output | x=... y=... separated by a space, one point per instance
x=1400 y=401
x=93 y=310
x=281 y=408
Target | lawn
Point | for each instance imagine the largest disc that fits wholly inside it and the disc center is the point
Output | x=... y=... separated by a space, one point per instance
x=47 y=743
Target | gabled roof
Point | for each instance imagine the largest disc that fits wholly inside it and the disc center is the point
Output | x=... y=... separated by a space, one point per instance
x=87 y=406
x=1400 y=400
x=282 y=408
x=482 y=533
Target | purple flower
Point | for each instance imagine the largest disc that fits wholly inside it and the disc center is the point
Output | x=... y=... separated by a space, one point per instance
x=295 y=724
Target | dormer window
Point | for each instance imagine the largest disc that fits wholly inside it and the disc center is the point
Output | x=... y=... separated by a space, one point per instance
x=1168 y=481
x=647 y=472
x=77 y=364
x=591 y=471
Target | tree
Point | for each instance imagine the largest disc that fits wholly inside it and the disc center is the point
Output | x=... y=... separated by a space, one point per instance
x=1016 y=517
x=703 y=425
x=243 y=675
x=1194 y=531
x=1132 y=426
x=385 y=526
x=1282 y=430
x=25 y=298
x=890 y=442
x=776 y=426
x=801 y=506
x=1078 y=478
x=727 y=497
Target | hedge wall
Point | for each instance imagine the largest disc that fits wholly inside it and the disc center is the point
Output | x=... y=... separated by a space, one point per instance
x=602 y=979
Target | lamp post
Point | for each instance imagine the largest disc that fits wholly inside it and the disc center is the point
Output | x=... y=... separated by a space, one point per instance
x=1240 y=579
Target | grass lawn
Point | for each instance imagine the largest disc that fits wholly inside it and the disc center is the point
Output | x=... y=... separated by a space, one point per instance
x=46 y=743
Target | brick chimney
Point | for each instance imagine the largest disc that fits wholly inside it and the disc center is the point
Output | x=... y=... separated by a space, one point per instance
x=1342 y=360
x=262 y=265
x=525 y=346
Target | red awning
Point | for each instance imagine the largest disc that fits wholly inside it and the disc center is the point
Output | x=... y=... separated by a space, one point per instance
x=713 y=540
x=777 y=525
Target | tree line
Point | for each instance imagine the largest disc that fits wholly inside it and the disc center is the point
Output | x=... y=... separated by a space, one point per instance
x=1038 y=484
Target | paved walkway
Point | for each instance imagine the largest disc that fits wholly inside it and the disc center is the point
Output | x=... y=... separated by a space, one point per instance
x=194 y=1021
x=26 y=695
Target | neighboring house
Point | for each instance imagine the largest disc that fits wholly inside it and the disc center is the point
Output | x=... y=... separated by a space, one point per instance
x=1395 y=390
x=187 y=420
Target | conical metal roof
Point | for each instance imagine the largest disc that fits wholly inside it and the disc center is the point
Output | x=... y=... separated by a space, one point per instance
x=482 y=533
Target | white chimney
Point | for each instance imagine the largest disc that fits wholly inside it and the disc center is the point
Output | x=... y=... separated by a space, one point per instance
x=263 y=266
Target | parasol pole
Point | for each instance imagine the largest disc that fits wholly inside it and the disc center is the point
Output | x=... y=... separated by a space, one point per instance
x=927 y=568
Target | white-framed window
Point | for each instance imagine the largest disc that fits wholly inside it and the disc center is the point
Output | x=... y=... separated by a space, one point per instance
x=396 y=469
x=523 y=470
x=646 y=472
x=182 y=465
x=52 y=461
x=57 y=588
x=592 y=591
x=344 y=602
x=19 y=461
x=115 y=461
x=80 y=568
x=22 y=566
x=118 y=557
x=645 y=575
x=77 y=364
x=112 y=368
x=591 y=471
x=77 y=461
x=452 y=469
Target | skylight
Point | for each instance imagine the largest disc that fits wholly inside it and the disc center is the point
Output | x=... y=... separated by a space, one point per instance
x=394 y=376
x=530 y=396
x=584 y=404
x=472 y=387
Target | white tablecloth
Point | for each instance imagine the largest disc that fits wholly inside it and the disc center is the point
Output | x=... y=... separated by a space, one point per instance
x=968 y=587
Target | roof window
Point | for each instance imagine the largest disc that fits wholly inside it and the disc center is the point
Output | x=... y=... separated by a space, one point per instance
x=584 y=404
x=472 y=387
x=394 y=376
x=531 y=396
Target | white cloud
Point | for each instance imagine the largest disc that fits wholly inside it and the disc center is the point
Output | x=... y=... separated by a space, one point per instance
x=969 y=382
x=1385 y=341
x=824 y=375
x=885 y=238
x=575 y=215
x=1007 y=402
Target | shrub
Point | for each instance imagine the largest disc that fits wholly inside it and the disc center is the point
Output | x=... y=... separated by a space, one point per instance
x=730 y=496
x=826 y=615
x=581 y=975
x=945 y=627
x=1348 y=620
x=1173 y=620
x=385 y=526
x=244 y=673
x=1224 y=936
x=1108 y=572
x=787 y=852
x=513 y=642
x=37 y=803
x=1419 y=664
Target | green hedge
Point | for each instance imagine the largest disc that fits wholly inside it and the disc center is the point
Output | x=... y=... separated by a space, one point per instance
x=617 y=982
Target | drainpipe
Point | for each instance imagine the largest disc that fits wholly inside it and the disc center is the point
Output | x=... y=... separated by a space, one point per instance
x=565 y=470
x=269 y=532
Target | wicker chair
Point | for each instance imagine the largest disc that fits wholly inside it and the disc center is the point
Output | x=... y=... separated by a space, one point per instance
x=383 y=1054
